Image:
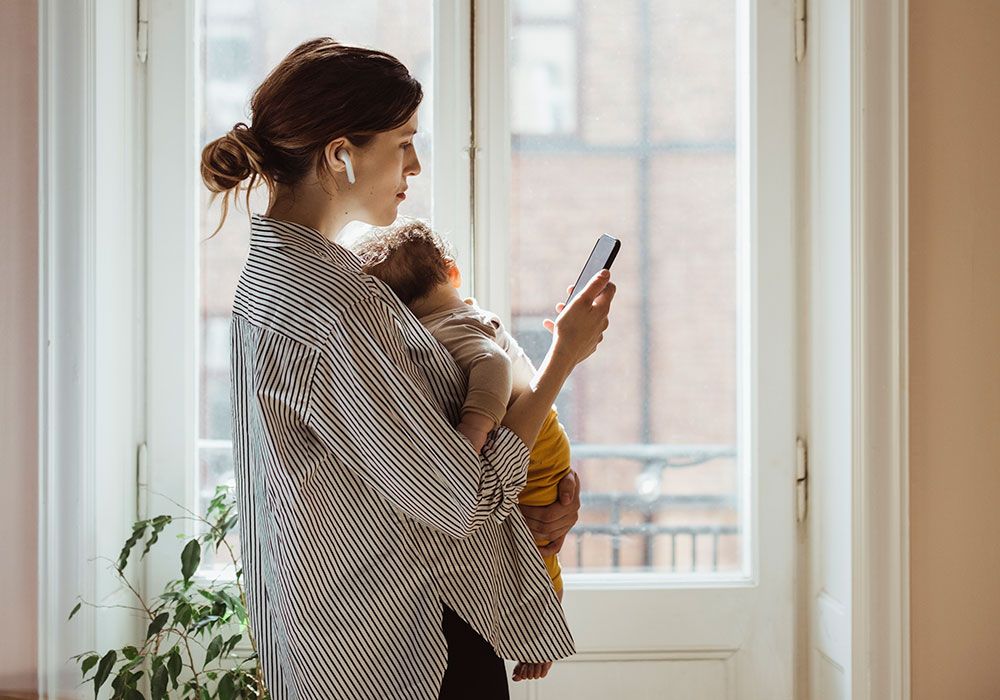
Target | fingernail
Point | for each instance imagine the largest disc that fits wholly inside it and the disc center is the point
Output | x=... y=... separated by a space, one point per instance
x=605 y=274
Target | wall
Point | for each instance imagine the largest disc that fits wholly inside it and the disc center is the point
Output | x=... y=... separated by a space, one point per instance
x=18 y=345
x=954 y=306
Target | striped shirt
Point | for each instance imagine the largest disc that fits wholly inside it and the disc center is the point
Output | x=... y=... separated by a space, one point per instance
x=362 y=510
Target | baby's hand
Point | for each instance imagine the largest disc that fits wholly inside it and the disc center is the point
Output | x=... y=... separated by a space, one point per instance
x=531 y=672
x=476 y=427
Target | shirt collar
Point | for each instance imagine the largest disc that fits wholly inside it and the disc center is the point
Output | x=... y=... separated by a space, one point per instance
x=266 y=232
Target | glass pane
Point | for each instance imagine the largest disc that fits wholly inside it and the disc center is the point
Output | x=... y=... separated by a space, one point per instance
x=648 y=155
x=241 y=41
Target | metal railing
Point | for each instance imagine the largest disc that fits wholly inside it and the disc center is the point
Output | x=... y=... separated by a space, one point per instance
x=646 y=499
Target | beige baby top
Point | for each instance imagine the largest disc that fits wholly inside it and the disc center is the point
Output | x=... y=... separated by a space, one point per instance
x=497 y=375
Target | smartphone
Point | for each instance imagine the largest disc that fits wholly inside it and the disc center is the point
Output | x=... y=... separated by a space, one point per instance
x=600 y=258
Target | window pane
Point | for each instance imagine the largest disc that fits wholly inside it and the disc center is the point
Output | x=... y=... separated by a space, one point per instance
x=242 y=41
x=648 y=156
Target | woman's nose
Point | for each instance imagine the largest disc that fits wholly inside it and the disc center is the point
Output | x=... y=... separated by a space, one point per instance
x=413 y=166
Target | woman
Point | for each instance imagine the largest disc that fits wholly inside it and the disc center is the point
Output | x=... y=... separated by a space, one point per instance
x=383 y=557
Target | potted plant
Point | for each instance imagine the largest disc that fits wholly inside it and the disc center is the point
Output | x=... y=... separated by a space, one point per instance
x=187 y=652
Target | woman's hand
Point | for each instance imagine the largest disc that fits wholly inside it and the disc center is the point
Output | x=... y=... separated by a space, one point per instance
x=552 y=523
x=579 y=328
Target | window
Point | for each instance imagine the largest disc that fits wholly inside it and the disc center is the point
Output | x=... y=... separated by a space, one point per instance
x=623 y=121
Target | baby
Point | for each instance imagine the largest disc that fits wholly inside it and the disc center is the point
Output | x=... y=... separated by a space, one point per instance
x=419 y=267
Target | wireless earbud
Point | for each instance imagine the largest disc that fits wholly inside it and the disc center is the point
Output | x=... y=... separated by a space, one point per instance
x=346 y=160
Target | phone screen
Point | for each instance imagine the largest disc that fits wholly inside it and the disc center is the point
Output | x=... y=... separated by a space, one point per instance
x=600 y=259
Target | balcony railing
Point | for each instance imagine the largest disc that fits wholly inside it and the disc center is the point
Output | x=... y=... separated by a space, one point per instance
x=646 y=500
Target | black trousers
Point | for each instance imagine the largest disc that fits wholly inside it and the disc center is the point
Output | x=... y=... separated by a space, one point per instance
x=474 y=669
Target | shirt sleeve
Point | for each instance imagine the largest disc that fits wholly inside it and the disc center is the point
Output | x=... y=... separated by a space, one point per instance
x=370 y=406
x=486 y=365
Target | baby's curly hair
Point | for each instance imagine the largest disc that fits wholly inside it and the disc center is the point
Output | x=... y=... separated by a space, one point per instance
x=408 y=256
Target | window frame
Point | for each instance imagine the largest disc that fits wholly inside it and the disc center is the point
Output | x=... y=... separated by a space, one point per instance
x=472 y=159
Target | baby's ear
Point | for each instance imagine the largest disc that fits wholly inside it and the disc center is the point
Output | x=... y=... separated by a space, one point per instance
x=454 y=274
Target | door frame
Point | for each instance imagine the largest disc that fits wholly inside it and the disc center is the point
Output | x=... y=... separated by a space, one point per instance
x=880 y=548
x=91 y=326
x=877 y=630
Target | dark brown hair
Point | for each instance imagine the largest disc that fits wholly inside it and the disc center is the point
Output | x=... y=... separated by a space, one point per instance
x=408 y=256
x=321 y=91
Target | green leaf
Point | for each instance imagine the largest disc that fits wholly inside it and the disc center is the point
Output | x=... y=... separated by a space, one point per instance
x=134 y=694
x=174 y=665
x=182 y=614
x=232 y=642
x=130 y=652
x=214 y=649
x=157 y=624
x=158 y=683
x=132 y=663
x=190 y=559
x=159 y=522
x=227 y=688
x=76 y=609
x=138 y=530
x=89 y=662
x=104 y=669
x=204 y=694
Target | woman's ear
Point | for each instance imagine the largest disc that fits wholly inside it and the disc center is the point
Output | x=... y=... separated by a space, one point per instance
x=333 y=160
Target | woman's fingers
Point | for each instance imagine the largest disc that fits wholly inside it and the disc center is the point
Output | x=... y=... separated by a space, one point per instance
x=602 y=299
x=552 y=547
x=568 y=489
x=595 y=287
x=549 y=522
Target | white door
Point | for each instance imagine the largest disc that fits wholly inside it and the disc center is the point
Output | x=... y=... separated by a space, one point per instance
x=669 y=125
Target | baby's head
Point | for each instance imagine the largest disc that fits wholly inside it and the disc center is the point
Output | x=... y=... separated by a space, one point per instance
x=409 y=257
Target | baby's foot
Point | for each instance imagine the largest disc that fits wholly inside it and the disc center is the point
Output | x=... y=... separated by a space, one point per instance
x=530 y=672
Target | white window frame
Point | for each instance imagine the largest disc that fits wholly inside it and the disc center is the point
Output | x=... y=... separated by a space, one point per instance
x=91 y=320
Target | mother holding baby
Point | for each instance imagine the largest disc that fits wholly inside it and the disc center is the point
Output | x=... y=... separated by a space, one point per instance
x=383 y=557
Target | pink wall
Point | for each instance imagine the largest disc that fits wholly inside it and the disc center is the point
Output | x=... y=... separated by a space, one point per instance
x=18 y=341
x=955 y=348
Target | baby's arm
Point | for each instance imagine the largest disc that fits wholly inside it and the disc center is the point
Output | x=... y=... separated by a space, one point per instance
x=475 y=427
x=488 y=370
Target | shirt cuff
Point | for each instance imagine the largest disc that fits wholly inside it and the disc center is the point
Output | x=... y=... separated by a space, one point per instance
x=509 y=457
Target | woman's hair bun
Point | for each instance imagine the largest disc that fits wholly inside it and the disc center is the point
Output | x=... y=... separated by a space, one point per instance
x=231 y=159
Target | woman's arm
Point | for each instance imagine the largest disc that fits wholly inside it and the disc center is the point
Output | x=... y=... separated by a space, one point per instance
x=551 y=523
x=576 y=333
